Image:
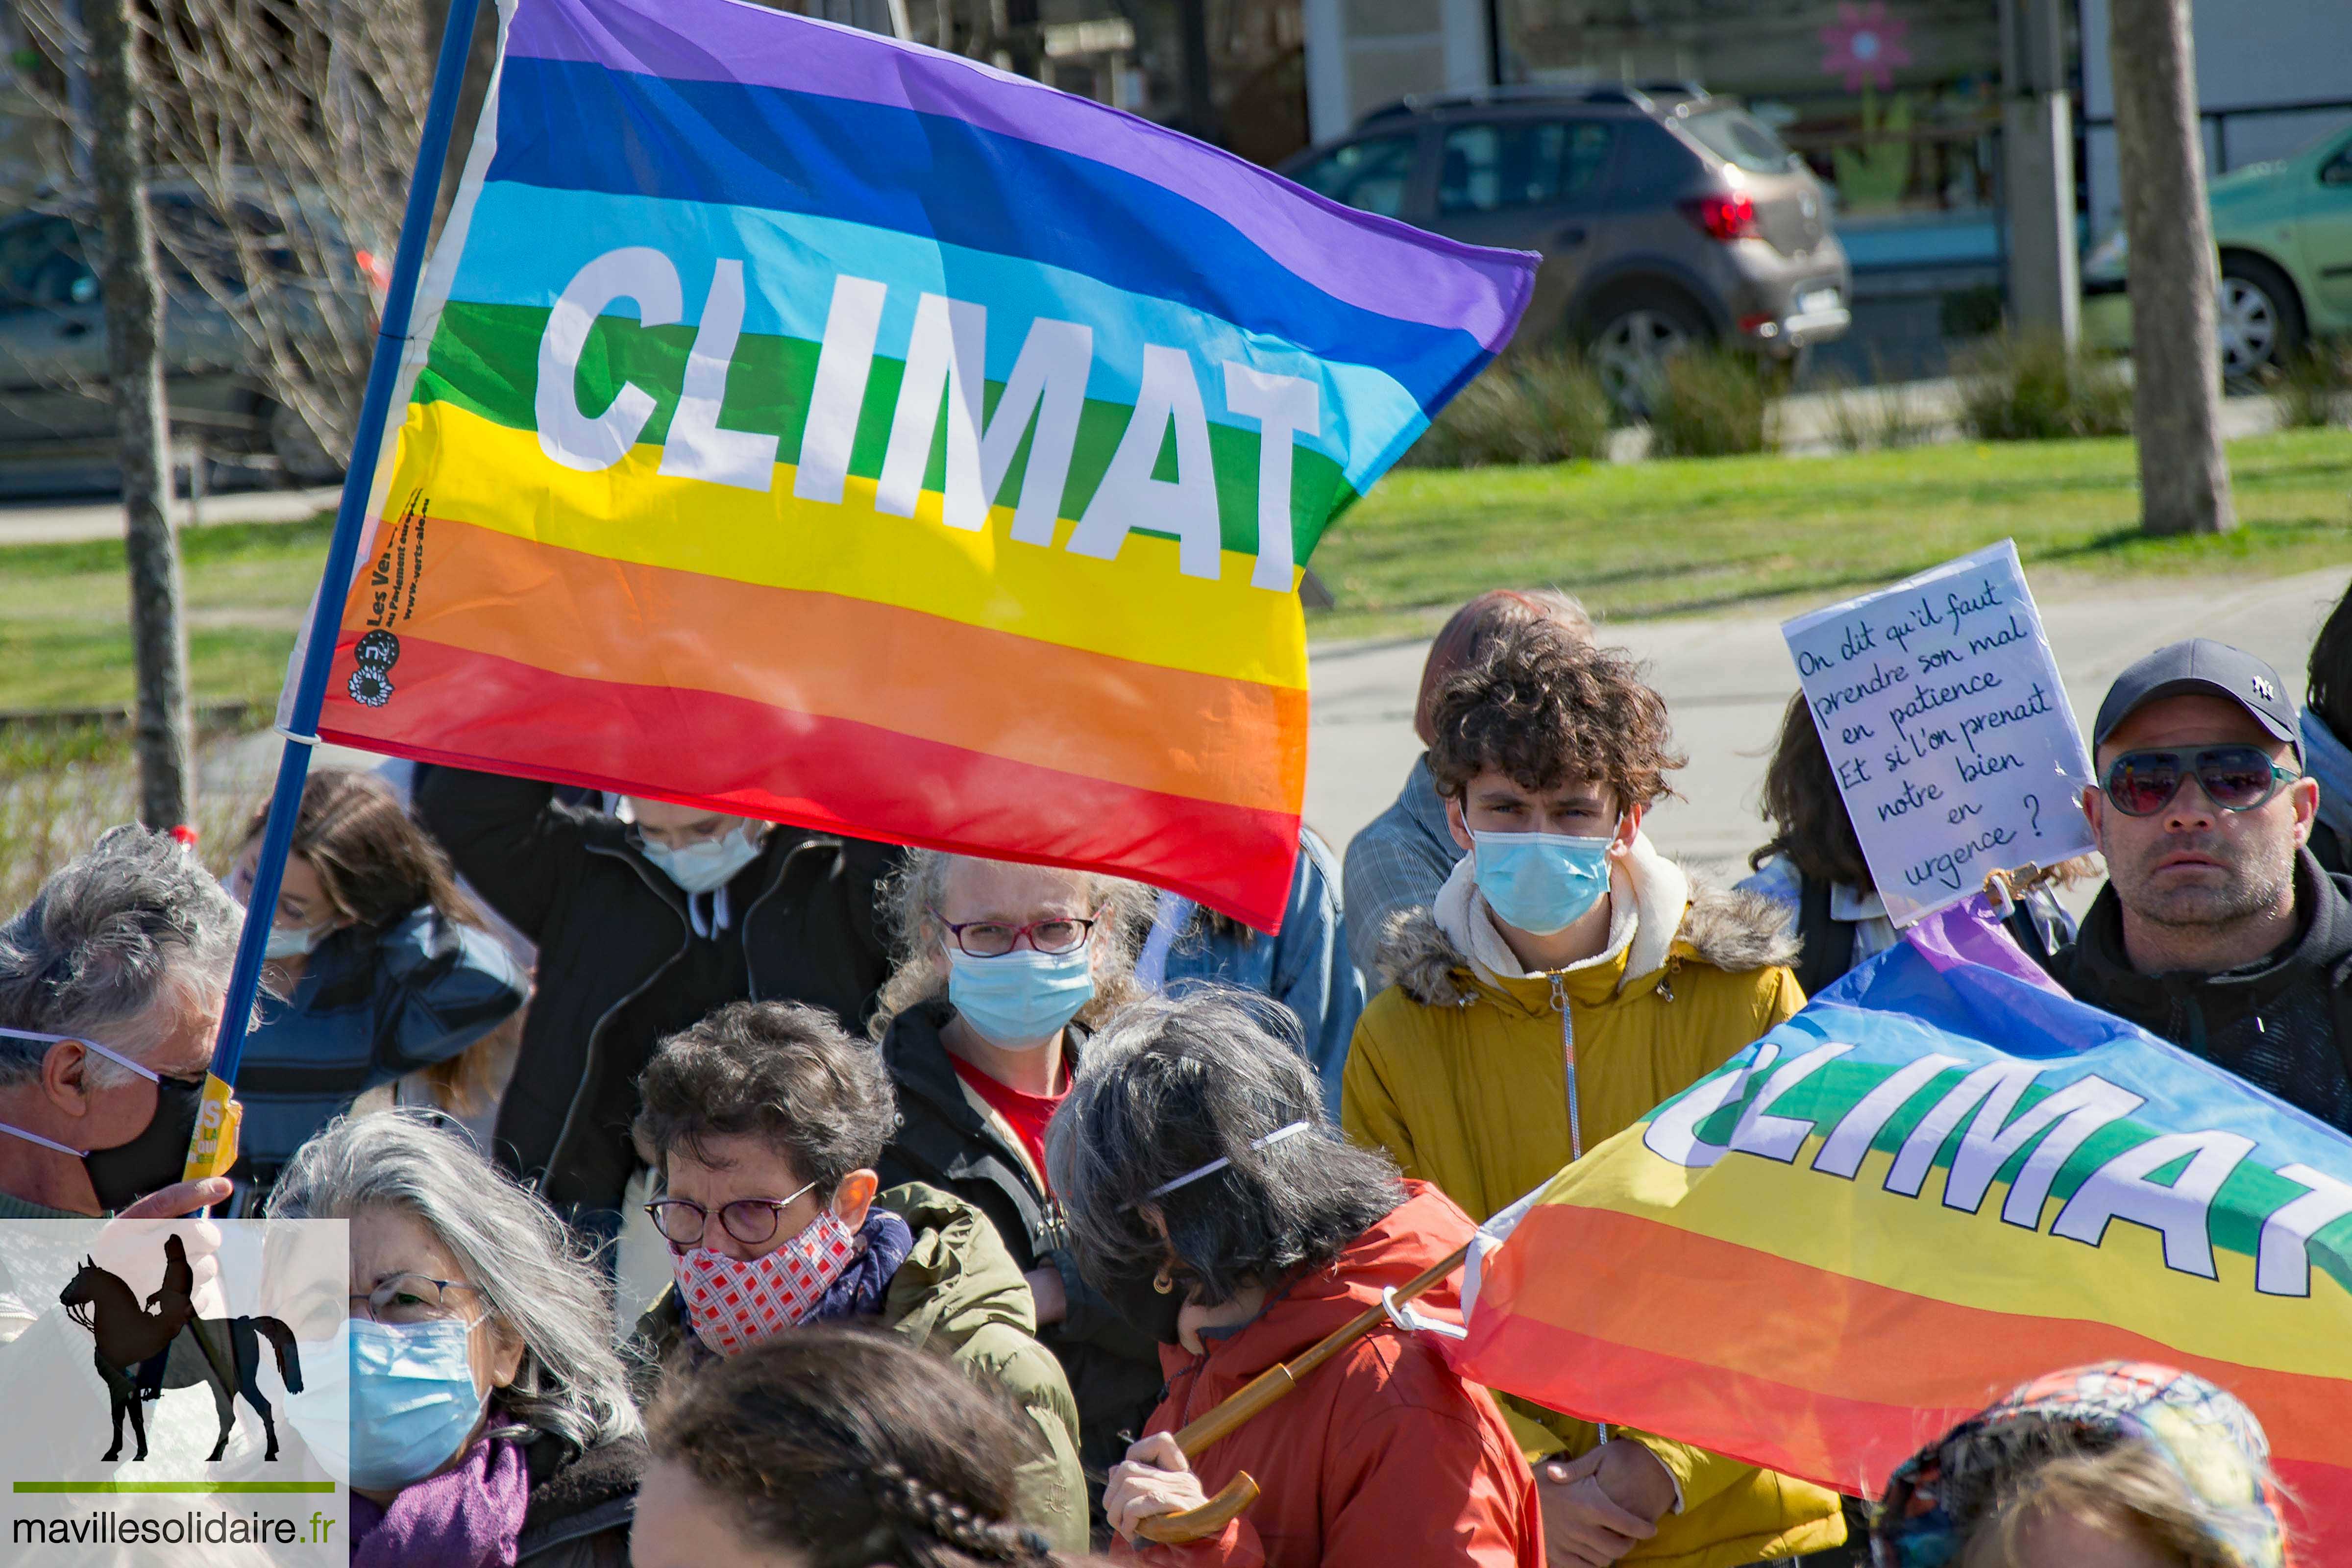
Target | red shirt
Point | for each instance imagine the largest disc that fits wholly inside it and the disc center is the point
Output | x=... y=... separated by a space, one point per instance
x=1028 y=1113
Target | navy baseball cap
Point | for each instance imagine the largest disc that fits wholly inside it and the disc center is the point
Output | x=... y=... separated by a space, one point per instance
x=2202 y=667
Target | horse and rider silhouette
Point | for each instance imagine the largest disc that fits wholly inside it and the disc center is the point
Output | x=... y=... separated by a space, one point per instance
x=141 y=1352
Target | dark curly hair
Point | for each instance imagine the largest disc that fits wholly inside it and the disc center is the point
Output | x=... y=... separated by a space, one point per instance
x=850 y=1447
x=1468 y=632
x=1802 y=802
x=784 y=1073
x=1546 y=708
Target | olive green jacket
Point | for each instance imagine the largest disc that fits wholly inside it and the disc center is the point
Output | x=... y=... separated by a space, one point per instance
x=959 y=1296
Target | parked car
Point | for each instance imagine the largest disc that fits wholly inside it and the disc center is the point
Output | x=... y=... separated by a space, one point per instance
x=1666 y=217
x=56 y=420
x=2285 y=232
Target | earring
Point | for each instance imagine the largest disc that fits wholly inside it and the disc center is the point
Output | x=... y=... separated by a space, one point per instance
x=1163 y=1282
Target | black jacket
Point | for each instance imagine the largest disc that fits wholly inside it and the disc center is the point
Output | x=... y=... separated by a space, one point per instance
x=1825 y=944
x=581 y=1505
x=2283 y=1024
x=2328 y=846
x=943 y=1142
x=608 y=924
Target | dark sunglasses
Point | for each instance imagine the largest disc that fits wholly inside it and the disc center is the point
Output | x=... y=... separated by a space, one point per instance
x=2235 y=778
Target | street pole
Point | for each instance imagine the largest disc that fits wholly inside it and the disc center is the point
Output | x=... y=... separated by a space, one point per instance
x=2184 y=476
x=2038 y=170
x=206 y=1154
x=133 y=297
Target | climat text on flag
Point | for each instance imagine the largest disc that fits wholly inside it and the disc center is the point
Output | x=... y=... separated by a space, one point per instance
x=819 y=427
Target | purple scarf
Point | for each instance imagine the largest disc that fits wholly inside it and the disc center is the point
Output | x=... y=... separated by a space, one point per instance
x=466 y=1518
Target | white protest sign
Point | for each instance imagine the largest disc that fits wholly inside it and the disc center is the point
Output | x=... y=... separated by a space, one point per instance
x=1939 y=704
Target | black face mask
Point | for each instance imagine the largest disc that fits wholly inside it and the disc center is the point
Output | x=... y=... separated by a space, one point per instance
x=1145 y=1309
x=154 y=1160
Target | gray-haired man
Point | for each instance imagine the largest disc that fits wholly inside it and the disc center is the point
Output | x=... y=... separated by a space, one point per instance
x=111 y=984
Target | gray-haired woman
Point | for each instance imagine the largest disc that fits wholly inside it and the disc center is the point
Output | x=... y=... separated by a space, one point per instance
x=1194 y=1163
x=1002 y=971
x=490 y=1421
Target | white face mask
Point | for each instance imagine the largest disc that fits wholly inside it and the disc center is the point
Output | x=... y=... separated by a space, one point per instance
x=711 y=862
x=293 y=942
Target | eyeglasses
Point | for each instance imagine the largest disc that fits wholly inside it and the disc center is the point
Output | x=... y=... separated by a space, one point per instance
x=751 y=1221
x=413 y=1298
x=994 y=939
x=2235 y=778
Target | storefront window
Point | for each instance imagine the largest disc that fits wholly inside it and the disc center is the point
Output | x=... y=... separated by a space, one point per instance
x=1893 y=103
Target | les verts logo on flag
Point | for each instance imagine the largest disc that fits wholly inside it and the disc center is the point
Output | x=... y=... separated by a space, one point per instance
x=823 y=428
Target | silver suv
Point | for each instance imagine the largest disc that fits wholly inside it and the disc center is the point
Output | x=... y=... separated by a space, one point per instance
x=1666 y=217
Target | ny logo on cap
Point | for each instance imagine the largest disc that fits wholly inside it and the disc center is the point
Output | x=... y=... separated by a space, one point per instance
x=2264 y=690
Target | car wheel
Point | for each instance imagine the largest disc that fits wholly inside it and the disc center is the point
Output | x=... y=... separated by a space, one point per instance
x=1630 y=338
x=2260 y=321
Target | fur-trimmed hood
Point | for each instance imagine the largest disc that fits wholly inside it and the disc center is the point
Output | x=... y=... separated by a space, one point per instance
x=1727 y=930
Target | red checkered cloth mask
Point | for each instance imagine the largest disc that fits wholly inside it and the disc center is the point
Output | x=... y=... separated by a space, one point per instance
x=735 y=1306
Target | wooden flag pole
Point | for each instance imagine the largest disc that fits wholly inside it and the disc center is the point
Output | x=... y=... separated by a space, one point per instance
x=1255 y=1397
x=214 y=1147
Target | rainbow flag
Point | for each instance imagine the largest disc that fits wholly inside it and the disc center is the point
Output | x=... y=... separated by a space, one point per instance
x=1934 y=1183
x=823 y=428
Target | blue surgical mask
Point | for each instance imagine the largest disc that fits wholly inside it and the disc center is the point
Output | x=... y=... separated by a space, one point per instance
x=383 y=1405
x=1540 y=882
x=1021 y=999
x=711 y=862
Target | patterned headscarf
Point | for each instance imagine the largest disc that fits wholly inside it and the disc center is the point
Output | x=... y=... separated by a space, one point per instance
x=2204 y=1432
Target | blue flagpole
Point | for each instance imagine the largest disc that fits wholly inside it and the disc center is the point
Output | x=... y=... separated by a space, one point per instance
x=351 y=519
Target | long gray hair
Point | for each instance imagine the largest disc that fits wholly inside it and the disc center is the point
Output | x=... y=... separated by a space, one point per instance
x=126 y=942
x=918 y=965
x=531 y=1273
x=1174 y=1083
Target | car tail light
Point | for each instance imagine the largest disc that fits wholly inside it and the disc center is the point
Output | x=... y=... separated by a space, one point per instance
x=378 y=270
x=1724 y=217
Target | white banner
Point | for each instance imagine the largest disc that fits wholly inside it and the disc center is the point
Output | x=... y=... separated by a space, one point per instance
x=1939 y=703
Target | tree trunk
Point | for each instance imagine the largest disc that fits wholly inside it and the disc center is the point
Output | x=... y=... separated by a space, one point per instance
x=2184 y=477
x=134 y=363
x=481 y=59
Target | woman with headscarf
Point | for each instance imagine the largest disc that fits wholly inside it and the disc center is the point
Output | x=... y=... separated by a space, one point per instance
x=2117 y=1465
x=1200 y=1176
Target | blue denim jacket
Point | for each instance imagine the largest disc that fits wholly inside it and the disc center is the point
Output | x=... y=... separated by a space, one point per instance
x=371 y=1005
x=1305 y=966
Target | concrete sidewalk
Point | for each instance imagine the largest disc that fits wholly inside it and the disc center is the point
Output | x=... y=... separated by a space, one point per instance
x=1729 y=678
x=74 y=522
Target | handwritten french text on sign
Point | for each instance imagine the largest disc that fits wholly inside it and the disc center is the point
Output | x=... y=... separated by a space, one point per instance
x=1940 y=706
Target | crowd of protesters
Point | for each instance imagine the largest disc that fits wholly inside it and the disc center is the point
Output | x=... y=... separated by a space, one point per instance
x=979 y=1182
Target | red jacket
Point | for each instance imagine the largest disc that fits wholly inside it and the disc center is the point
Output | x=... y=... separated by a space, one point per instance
x=1382 y=1455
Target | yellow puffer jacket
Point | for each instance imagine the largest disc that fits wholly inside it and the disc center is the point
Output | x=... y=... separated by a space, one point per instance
x=1463 y=1078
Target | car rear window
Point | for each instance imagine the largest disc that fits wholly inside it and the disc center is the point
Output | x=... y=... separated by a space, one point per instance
x=1651 y=162
x=1371 y=174
x=1503 y=164
x=1738 y=137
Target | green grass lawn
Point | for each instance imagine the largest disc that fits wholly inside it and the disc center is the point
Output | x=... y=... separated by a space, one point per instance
x=1693 y=534
x=65 y=615
x=1638 y=539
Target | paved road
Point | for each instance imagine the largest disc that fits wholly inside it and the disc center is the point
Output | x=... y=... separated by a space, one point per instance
x=1728 y=679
